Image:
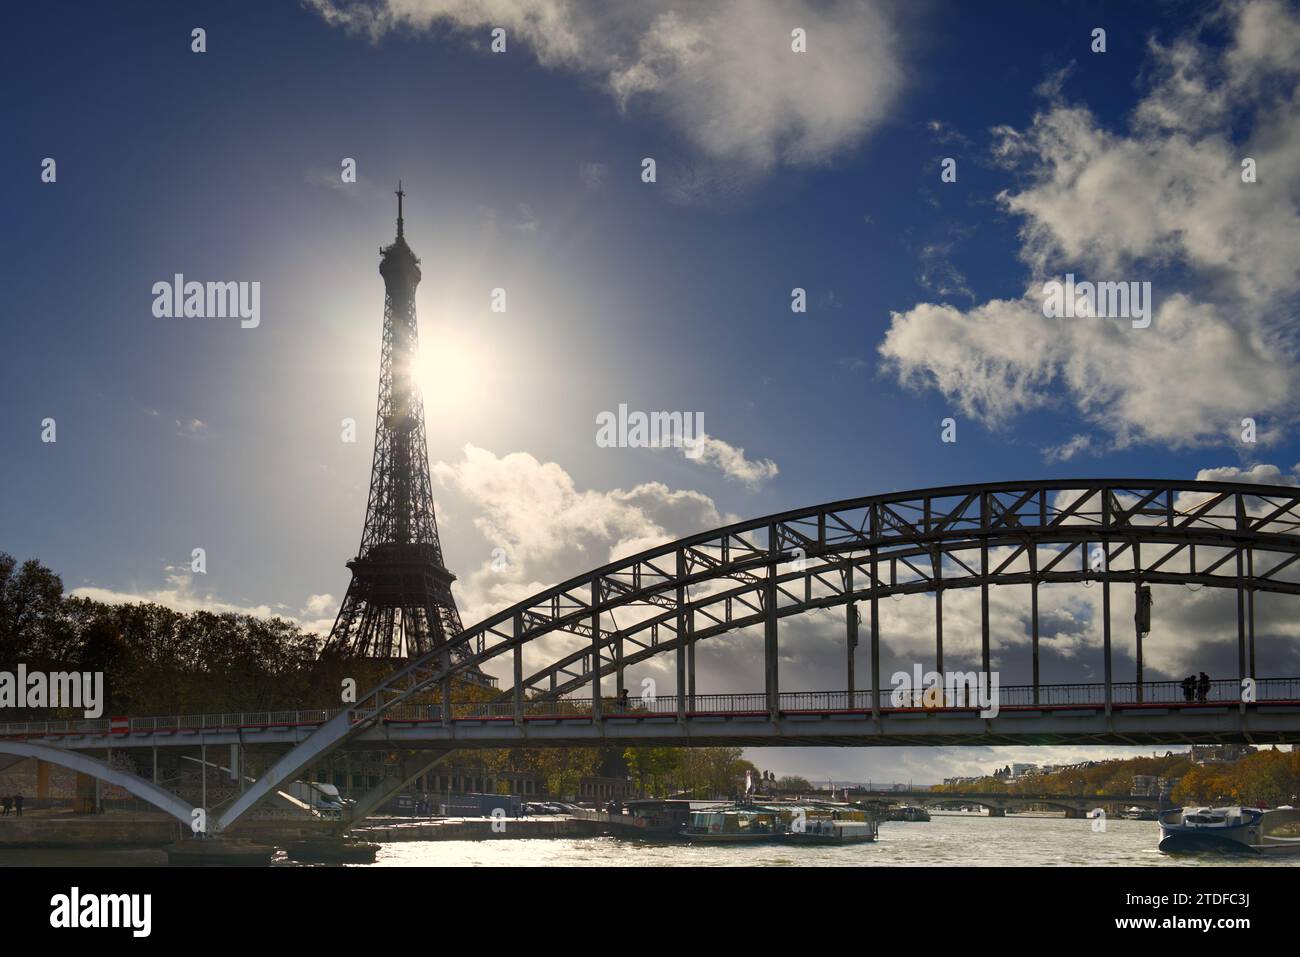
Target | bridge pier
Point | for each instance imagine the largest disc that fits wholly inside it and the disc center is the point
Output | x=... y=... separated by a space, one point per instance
x=87 y=794
x=997 y=812
x=1075 y=814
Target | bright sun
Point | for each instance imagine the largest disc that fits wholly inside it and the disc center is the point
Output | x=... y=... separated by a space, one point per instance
x=450 y=372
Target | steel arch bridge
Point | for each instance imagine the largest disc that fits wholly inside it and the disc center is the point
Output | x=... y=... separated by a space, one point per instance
x=664 y=600
x=751 y=575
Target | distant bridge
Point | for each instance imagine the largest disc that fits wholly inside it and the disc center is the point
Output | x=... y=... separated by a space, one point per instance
x=751 y=575
x=998 y=803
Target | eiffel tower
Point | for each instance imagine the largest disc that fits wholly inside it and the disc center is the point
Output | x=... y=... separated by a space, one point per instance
x=399 y=603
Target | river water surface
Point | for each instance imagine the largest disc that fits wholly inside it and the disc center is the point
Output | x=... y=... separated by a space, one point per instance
x=947 y=840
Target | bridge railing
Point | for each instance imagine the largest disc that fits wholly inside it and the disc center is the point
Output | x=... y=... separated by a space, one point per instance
x=1222 y=692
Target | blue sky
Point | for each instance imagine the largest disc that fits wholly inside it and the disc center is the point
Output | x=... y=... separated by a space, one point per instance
x=522 y=171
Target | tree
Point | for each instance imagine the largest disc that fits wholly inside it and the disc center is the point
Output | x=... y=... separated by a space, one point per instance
x=31 y=612
x=656 y=764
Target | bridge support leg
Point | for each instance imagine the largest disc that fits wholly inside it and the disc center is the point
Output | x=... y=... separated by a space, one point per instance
x=1241 y=617
x=619 y=687
x=410 y=765
x=519 y=672
x=770 y=643
x=682 y=642
x=851 y=642
x=690 y=676
x=1033 y=618
x=997 y=812
x=596 y=706
x=1105 y=624
x=1137 y=613
x=1250 y=606
x=984 y=607
x=938 y=627
x=875 y=637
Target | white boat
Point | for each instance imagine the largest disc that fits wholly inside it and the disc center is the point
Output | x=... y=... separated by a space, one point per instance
x=734 y=826
x=831 y=831
x=1231 y=829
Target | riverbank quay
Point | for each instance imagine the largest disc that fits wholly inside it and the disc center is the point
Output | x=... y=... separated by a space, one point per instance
x=60 y=827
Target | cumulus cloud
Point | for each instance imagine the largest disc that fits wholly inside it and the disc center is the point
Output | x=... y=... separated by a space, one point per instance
x=540 y=529
x=1187 y=380
x=722 y=73
x=1163 y=202
x=548 y=529
x=1260 y=474
x=179 y=592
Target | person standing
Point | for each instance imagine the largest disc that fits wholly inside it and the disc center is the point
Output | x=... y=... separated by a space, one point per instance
x=6 y=803
x=1203 y=688
x=18 y=804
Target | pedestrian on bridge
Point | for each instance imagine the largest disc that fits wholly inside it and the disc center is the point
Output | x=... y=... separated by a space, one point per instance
x=1203 y=688
x=6 y=803
x=1189 y=688
x=18 y=804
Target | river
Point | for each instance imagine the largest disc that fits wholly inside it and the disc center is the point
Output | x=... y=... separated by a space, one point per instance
x=947 y=840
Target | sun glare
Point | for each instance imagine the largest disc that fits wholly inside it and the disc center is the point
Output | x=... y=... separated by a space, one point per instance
x=451 y=372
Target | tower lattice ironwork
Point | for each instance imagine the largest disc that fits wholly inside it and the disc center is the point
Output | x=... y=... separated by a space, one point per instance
x=399 y=603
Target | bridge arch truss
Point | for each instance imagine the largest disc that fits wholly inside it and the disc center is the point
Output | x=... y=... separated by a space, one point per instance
x=852 y=553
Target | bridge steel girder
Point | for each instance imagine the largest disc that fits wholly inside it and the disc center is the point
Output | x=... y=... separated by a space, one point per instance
x=1085 y=725
x=324 y=740
x=1264 y=722
x=410 y=765
x=146 y=790
x=717 y=572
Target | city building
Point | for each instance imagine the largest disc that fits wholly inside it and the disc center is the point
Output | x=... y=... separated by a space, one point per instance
x=1220 y=753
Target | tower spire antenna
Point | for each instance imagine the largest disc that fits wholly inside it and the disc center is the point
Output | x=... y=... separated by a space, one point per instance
x=400 y=194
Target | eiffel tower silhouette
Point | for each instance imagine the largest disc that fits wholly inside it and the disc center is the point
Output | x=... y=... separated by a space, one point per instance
x=399 y=603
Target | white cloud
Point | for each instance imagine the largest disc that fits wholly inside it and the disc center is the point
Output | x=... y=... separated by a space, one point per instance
x=1164 y=203
x=722 y=73
x=731 y=460
x=1260 y=474
x=180 y=593
x=1076 y=445
x=549 y=530
x=1188 y=379
x=319 y=604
